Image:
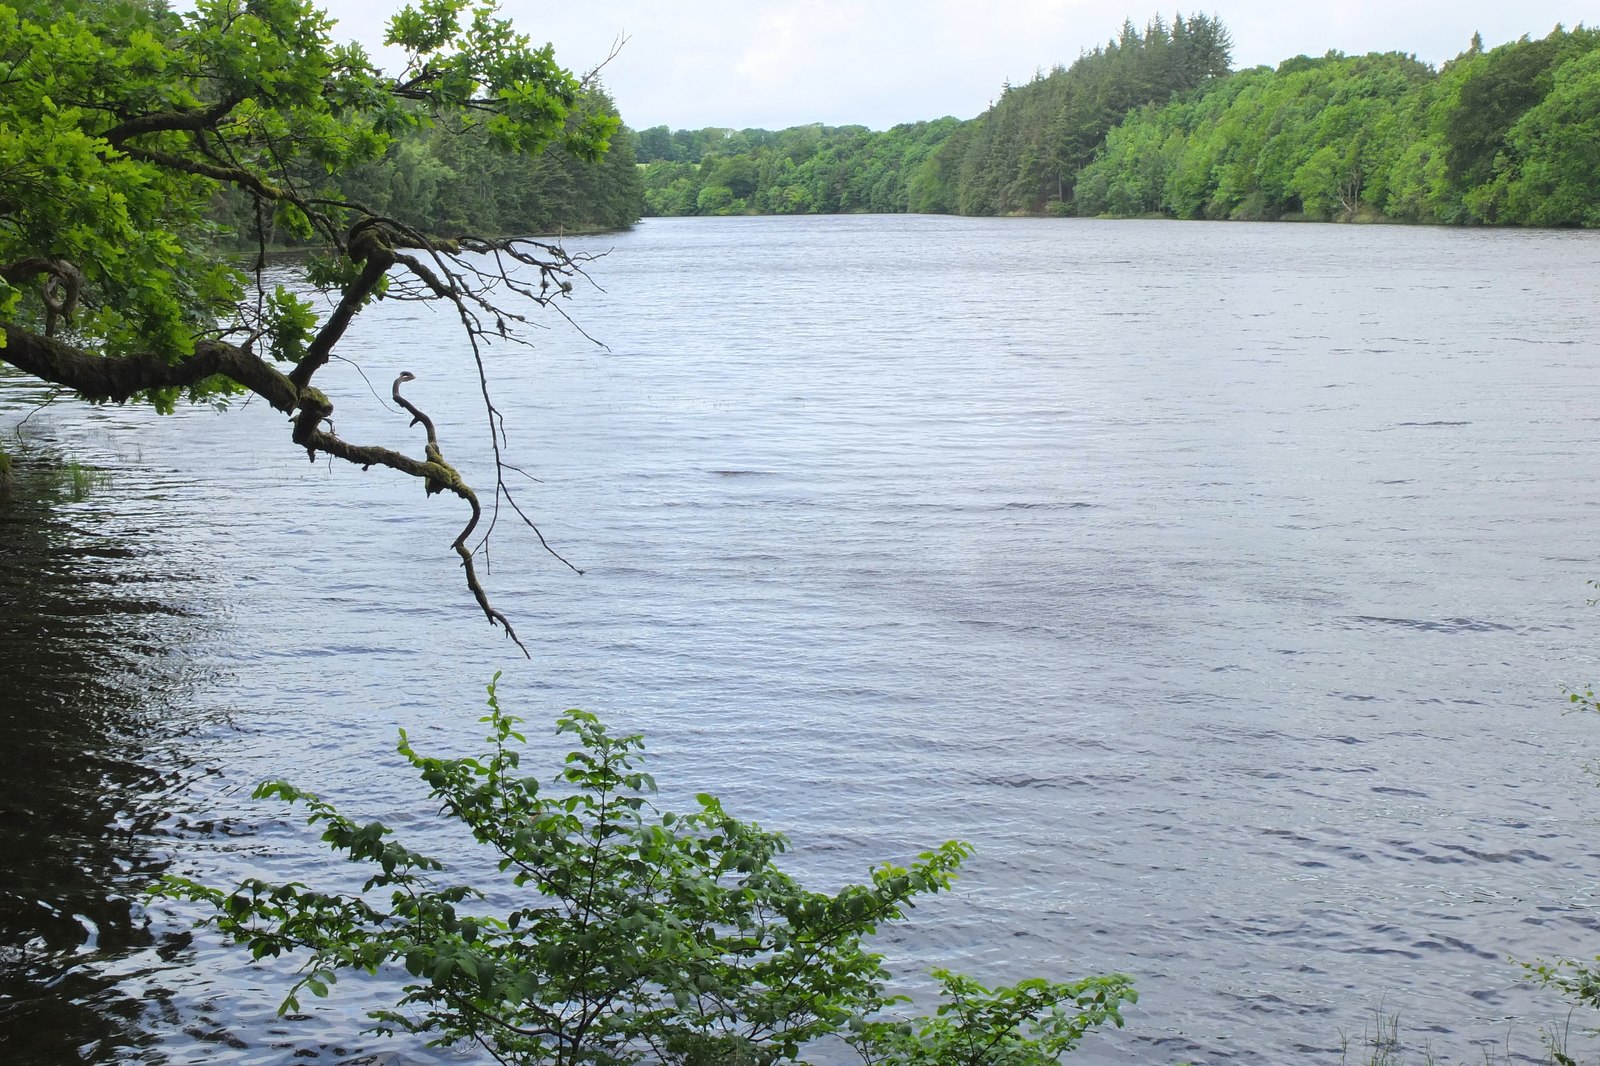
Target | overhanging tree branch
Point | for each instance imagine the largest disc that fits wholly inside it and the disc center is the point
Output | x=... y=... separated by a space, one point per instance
x=120 y=127
x=118 y=379
x=368 y=247
x=239 y=176
x=192 y=121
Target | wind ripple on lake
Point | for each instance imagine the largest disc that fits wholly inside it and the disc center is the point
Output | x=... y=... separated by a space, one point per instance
x=1216 y=581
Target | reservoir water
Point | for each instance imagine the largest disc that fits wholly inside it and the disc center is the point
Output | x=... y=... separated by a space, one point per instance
x=1218 y=582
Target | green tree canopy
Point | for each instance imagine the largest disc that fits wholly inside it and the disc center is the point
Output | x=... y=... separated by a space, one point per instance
x=1555 y=180
x=1023 y=154
x=1504 y=136
x=1153 y=122
x=121 y=123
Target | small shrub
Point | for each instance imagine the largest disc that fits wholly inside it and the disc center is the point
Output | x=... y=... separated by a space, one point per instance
x=644 y=936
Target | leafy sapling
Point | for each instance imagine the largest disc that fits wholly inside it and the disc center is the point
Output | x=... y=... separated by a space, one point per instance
x=638 y=935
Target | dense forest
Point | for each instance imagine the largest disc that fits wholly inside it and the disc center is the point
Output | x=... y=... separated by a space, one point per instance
x=1154 y=122
x=1019 y=156
x=449 y=178
x=1510 y=135
x=804 y=170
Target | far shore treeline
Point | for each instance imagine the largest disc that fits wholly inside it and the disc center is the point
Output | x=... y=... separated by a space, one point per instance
x=448 y=177
x=1154 y=122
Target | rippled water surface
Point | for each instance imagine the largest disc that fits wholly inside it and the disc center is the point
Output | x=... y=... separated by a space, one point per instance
x=1218 y=582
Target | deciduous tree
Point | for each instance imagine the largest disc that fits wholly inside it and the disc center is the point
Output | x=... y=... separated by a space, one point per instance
x=120 y=122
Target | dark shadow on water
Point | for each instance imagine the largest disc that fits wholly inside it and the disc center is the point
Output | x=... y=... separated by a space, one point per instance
x=94 y=686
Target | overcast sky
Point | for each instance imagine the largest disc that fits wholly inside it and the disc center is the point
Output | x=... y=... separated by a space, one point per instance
x=778 y=63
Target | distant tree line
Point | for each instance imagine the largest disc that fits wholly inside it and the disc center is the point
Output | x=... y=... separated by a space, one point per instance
x=1154 y=122
x=1019 y=156
x=446 y=178
x=1023 y=154
x=804 y=170
x=1510 y=135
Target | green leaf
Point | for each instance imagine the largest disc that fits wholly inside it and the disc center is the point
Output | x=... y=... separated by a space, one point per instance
x=626 y=934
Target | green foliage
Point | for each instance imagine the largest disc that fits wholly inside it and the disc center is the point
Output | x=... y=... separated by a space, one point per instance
x=635 y=931
x=1577 y=980
x=1551 y=163
x=1499 y=86
x=122 y=222
x=80 y=480
x=122 y=123
x=440 y=178
x=1503 y=136
x=803 y=170
x=1153 y=123
x=290 y=322
x=132 y=139
x=661 y=145
x=1316 y=138
x=1022 y=155
x=68 y=481
x=1032 y=1023
x=1026 y=151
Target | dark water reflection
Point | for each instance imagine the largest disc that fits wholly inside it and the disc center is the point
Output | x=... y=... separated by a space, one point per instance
x=94 y=691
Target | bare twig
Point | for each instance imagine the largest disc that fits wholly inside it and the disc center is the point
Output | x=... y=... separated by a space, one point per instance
x=447 y=478
x=617 y=44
